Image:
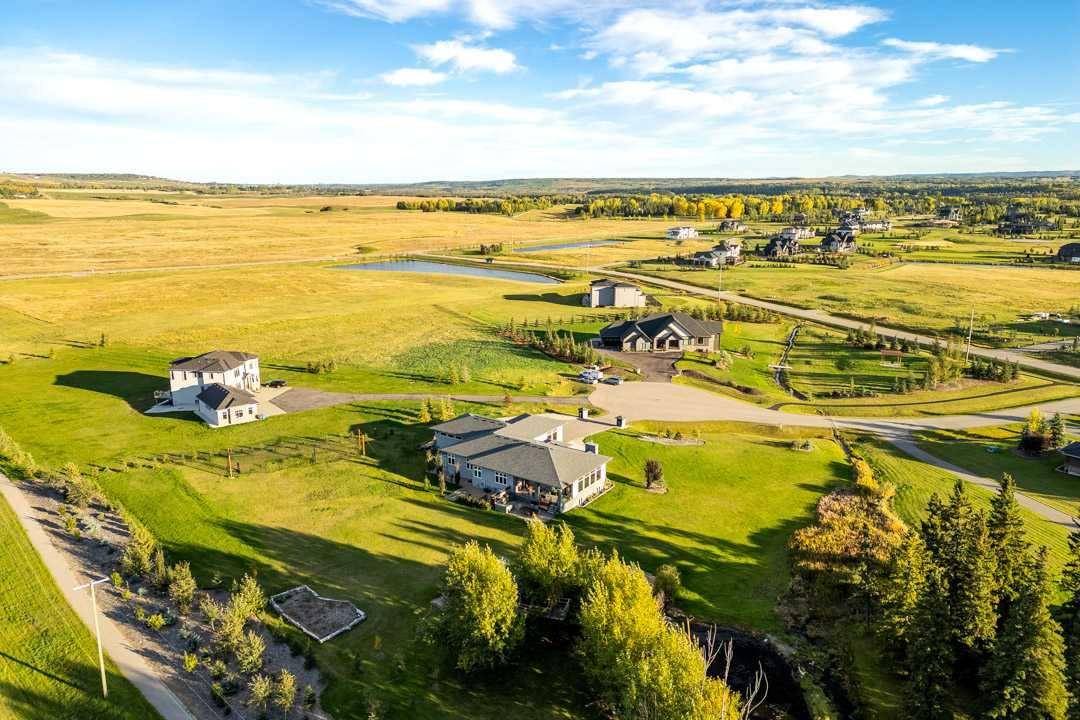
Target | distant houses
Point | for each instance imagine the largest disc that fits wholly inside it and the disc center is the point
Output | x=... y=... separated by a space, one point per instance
x=683 y=232
x=875 y=225
x=781 y=247
x=732 y=226
x=217 y=386
x=1068 y=253
x=950 y=213
x=836 y=243
x=613 y=293
x=724 y=253
x=1021 y=221
x=662 y=332
x=520 y=463
x=796 y=233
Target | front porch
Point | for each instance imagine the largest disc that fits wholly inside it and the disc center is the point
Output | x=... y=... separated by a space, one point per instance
x=524 y=499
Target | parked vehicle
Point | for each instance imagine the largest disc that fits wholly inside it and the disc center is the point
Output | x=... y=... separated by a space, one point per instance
x=613 y=380
x=276 y=384
x=591 y=375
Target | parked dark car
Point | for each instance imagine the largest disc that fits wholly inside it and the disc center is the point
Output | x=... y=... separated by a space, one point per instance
x=613 y=380
x=276 y=384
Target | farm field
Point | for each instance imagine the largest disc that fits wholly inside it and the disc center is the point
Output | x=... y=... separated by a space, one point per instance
x=48 y=659
x=66 y=232
x=992 y=451
x=920 y=296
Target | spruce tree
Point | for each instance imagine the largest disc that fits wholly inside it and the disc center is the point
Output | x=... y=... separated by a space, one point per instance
x=1007 y=543
x=898 y=588
x=1024 y=678
x=930 y=652
x=1070 y=622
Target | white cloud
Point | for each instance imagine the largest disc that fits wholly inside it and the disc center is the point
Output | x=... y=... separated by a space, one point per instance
x=464 y=57
x=932 y=100
x=412 y=77
x=943 y=51
x=493 y=14
x=389 y=10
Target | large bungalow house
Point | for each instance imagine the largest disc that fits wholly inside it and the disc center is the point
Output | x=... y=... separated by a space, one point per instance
x=1020 y=221
x=725 y=253
x=520 y=460
x=684 y=232
x=662 y=332
x=875 y=225
x=217 y=386
x=1069 y=253
x=613 y=293
x=780 y=246
x=732 y=226
x=835 y=243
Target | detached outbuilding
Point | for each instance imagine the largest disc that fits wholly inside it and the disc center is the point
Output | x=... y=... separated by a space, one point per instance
x=1069 y=253
x=1071 y=452
x=613 y=293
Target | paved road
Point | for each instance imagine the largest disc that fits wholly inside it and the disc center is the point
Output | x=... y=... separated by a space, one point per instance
x=664 y=401
x=131 y=664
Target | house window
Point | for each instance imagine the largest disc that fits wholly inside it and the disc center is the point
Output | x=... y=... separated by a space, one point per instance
x=502 y=478
x=476 y=471
x=451 y=460
x=225 y=415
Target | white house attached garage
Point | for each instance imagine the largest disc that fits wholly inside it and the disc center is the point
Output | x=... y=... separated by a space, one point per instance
x=219 y=405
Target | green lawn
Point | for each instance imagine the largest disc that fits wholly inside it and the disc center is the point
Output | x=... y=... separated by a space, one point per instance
x=370 y=531
x=48 y=659
x=992 y=451
x=732 y=503
x=916 y=481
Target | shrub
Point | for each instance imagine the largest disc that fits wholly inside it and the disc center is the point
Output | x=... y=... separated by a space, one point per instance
x=654 y=473
x=191 y=662
x=548 y=560
x=117 y=579
x=249 y=597
x=249 y=653
x=155 y=622
x=667 y=582
x=285 y=691
x=182 y=587
x=139 y=552
x=260 y=687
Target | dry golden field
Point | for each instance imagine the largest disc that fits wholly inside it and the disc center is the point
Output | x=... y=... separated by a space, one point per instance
x=75 y=232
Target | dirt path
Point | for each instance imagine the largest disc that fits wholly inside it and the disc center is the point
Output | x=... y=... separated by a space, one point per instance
x=131 y=664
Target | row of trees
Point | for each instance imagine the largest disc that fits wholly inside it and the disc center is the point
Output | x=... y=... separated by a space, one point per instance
x=502 y=206
x=553 y=342
x=965 y=602
x=638 y=664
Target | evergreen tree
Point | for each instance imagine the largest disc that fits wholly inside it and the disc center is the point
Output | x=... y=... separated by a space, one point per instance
x=930 y=652
x=1008 y=546
x=1070 y=621
x=1024 y=678
x=1056 y=428
x=898 y=588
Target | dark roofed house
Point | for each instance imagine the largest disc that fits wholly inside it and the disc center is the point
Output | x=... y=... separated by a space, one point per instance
x=194 y=383
x=951 y=213
x=732 y=226
x=1069 y=253
x=672 y=331
x=1072 y=458
x=724 y=253
x=781 y=247
x=835 y=243
x=221 y=405
x=522 y=461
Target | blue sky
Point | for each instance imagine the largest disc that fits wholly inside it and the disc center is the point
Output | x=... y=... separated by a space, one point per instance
x=394 y=91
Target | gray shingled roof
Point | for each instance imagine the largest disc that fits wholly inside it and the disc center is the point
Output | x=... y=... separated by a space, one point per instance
x=1072 y=449
x=468 y=424
x=213 y=361
x=528 y=427
x=652 y=325
x=220 y=397
x=542 y=463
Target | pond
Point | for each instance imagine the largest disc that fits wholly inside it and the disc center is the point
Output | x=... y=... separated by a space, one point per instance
x=439 y=268
x=564 y=246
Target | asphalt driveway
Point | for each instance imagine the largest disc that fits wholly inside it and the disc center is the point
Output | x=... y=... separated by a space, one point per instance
x=654 y=367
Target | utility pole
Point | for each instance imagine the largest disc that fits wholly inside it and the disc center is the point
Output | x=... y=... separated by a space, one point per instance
x=971 y=327
x=97 y=630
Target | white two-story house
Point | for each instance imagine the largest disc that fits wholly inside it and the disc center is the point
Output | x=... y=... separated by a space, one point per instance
x=217 y=386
